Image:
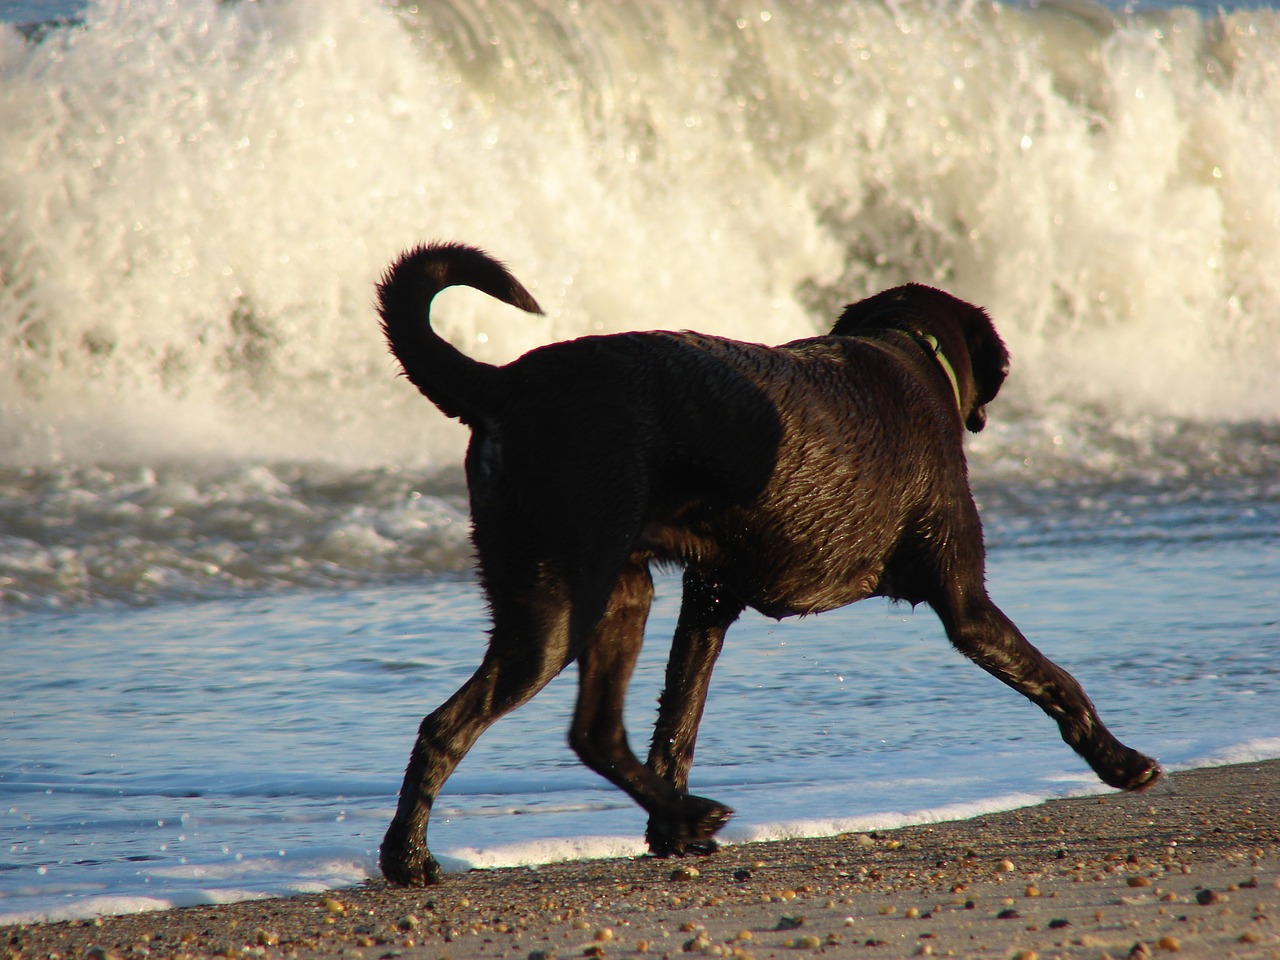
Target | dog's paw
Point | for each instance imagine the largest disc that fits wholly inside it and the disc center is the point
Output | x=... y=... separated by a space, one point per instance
x=408 y=864
x=689 y=830
x=408 y=873
x=664 y=844
x=1133 y=771
x=1146 y=774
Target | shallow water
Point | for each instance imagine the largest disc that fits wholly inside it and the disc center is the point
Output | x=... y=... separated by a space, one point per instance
x=208 y=750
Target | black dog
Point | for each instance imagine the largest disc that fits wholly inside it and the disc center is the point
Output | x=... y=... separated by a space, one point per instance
x=790 y=479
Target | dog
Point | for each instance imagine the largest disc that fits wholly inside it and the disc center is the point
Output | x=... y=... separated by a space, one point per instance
x=791 y=479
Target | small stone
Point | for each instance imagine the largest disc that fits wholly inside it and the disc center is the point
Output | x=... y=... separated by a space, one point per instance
x=1207 y=898
x=1168 y=943
x=603 y=935
x=912 y=913
x=790 y=923
x=334 y=907
x=542 y=955
x=1006 y=866
x=1032 y=890
x=685 y=873
x=98 y=953
x=266 y=938
x=1009 y=914
x=1139 y=881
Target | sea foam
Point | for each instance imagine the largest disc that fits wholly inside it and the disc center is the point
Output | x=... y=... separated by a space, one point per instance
x=200 y=196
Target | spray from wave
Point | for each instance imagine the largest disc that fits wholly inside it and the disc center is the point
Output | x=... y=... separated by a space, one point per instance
x=199 y=197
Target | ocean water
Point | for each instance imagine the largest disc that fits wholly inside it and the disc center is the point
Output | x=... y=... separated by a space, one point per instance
x=234 y=569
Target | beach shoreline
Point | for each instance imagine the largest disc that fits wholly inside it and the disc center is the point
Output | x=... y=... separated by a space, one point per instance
x=1190 y=868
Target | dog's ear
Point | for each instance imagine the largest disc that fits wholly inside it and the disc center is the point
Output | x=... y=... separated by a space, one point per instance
x=989 y=360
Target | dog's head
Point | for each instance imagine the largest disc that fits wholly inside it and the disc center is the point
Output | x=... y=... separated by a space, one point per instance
x=965 y=335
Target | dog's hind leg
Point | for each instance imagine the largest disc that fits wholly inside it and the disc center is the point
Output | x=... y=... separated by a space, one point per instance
x=705 y=615
x=529 y=645
x=981 y=631
x=598 y=734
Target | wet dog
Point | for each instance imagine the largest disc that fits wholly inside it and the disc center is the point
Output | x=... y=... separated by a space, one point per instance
x=790 y=479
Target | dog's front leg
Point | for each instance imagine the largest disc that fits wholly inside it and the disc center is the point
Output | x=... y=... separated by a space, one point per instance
x=705 y=615
x=981 y=631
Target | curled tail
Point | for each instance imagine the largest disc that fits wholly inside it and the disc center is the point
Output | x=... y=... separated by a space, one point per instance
x=460 y=386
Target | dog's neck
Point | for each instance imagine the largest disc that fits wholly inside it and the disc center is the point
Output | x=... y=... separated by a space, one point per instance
x=934 y=349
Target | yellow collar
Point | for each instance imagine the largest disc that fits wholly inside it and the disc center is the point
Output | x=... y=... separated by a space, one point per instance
x=935 y=349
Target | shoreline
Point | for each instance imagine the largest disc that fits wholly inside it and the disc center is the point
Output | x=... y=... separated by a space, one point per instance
x=1191 y=868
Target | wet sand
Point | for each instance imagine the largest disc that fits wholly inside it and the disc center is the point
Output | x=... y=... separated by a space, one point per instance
x=1191 y=868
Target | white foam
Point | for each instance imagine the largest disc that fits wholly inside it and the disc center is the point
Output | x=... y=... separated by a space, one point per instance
x=200 y=197
x=536 y=852
x=887 y=820
x=180 y=885
x=1250 y=751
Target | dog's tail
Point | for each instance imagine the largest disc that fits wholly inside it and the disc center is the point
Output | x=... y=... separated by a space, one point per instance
x=460 y=386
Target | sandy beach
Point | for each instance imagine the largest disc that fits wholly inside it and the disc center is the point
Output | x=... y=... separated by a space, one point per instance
x=1191 y=868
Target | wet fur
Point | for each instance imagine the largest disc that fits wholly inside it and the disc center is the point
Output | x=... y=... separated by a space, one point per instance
x=791 y=479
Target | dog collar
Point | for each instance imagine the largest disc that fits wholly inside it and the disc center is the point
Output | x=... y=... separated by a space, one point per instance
x=930 y=343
